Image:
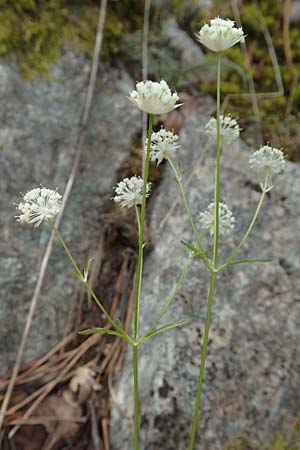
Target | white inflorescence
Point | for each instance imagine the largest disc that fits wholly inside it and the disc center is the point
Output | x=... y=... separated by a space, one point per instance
x=154 y=98
x=226 y=219
x=39 y=205
x=130 y=191
x=229 y=128
x=162 y=143
x=220 y=35
x=268 y=158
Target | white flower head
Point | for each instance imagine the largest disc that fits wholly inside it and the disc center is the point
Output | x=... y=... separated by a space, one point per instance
x=229 y=128
x=267 y=158
x=163 y=142
x=220 y=35
x=226 y=219
x=39 y=205
x=154 y=98
x=129 y=191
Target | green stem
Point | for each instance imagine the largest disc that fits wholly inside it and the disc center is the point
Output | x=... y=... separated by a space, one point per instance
x=136 y=397
x=88 y=287
x=188 y=211
x=172 y=296
x=141 y=227
x=141 y=236
x=252 y=223
x=203 y=359
x=214 y=261
x=218 y=167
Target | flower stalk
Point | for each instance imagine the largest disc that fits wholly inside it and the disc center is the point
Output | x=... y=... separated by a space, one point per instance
x=141 y=228
x=214 y=262
x=82 y=278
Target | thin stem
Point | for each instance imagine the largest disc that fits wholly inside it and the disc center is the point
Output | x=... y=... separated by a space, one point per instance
x=141 y=236
x=141 y=227
x=203 y=359
x=188 y=211
x=252 y=223
x=218 y=167
x=137 y=218
x=173 y=294
x=136 y=397
x=207 y=230
x=214 y=261
x=88 y=287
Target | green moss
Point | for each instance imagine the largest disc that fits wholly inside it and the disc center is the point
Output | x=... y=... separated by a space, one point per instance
x=276 y=442
x=33 y=31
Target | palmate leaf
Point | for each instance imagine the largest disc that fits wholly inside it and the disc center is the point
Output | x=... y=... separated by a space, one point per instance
x=168 y=327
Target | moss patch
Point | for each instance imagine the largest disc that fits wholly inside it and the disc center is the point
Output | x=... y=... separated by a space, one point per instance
x=33 y=31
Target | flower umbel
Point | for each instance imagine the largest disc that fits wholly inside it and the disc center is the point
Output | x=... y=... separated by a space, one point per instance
x=39 y=205
x=162 y=143
x=129 y=192
x=220 y=35
x=267 y=158
x=226 y=219
x=229 y=128
x=154 y=98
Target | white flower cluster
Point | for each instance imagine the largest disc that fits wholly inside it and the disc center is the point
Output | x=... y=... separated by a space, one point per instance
x=229 y=129
x=220 y=35
x=226 y=219
x=39 y=205
x=154 y=98
x=268 y=158
x=163 y=142
x=129 y=191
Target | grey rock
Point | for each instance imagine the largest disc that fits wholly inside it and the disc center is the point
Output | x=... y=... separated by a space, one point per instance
x=39 y=123
x=191 y=53
x=252 y=381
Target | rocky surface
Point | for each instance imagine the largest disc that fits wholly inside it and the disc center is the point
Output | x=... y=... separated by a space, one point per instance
x=38 y=132
x=252 y=379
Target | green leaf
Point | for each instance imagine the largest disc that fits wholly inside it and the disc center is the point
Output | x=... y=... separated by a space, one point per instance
x=76 y=275
x=119 y=323
x=242 y=261
x=168 y=327
x=193 y=249
x=100 y=330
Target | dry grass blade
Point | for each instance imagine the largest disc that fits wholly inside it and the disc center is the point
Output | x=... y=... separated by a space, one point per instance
x=288 y=55
x=252 y=91
x=94 y=428
x=275 y=64
x=50 y=386
x=69 y=185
